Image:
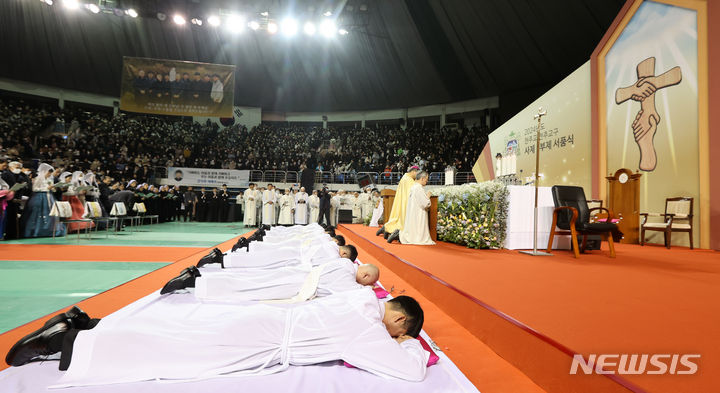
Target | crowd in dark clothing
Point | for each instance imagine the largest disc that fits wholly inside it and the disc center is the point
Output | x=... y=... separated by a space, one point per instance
x=131 y=146
x=125 y=148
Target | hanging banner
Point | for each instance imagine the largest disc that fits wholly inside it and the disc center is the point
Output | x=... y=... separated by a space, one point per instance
x=205 y=177
x=182 y=88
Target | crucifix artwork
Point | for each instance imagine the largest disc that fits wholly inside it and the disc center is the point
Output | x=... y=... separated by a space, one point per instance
x=645 y=124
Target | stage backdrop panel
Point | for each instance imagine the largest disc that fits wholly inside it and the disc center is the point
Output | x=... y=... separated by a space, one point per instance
x=564 y=137
x=182 y=88
x=206 y=177
x=656 y=130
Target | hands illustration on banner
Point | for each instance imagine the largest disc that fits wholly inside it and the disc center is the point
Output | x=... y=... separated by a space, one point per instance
x=647 y=119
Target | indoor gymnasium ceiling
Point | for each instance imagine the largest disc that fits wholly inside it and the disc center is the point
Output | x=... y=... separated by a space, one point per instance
x=397 y=53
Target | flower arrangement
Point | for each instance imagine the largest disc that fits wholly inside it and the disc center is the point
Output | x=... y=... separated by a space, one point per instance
x=473 y=215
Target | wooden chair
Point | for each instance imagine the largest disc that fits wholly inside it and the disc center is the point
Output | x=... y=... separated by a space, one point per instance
x=572 y=216
x=678 y=217
x=593 y=204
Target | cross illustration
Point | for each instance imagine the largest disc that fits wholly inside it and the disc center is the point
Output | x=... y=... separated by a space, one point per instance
x=647 y=119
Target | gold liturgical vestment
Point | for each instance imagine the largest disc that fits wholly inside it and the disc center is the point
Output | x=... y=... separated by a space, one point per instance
x=396 y=220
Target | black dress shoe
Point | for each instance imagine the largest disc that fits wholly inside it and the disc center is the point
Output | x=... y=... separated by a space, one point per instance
x=78 y=318
x=380 y=231
x=209 y=258
x=386 y=235
x=41 y=343
x=219 y=256
x=266 y=227
x=394 y=236
x=186 y=279
x=242 y=242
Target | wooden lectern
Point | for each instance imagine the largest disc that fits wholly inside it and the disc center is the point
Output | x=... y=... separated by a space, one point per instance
x=624 y=201
x=388 y=197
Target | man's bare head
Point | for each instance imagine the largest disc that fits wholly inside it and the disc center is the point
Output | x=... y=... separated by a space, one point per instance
x=367 y=274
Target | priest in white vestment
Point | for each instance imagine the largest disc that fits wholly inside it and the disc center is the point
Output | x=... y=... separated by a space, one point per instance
x=269 y=200
x=245 y=285
x=287 y=208
x=314 y=203
x=366 y=205
x=271 y=257
x=378 y=211
x=335 y=203
x=301 y=207
x=184 y=341
x=356 y=208
x=415 y=229
x=251 y=199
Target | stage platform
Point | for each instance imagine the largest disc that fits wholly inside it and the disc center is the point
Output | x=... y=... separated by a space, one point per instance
x=537 y=312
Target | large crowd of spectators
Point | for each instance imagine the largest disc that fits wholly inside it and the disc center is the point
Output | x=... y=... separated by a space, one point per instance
x=129 y=146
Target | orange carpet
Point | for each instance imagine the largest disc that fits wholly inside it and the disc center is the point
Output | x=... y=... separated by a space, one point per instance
x=647 y=300
x=116 y=298
x=65 y=252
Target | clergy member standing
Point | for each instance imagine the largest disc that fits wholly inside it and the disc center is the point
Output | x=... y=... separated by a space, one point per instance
x=366 y=205
x=335 y=203
x=250 y=198
x=287 y=208
x=397 y=212
x=269 y=201
x=415 y=230
x=314 y=202
x=301 y=207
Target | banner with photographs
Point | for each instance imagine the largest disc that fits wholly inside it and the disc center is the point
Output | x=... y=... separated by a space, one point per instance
x=205 y=177
x=182 y=88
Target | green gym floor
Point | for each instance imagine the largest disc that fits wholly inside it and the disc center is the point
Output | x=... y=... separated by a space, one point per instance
x=41 y=275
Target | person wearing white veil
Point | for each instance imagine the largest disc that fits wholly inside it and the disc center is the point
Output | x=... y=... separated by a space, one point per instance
x=36 y=219
x=76 y=196
x=93 y=195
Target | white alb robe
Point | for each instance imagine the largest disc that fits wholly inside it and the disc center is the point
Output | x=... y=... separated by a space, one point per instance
x=335 y=203
x=287 y=204
x=184 y=341
x=301 y=208
x=269 y=201
x=250 y=198
x=357 y=211
x=314 y=202
x=366 y=205
x=275 y=256
x=246 y=285
x=377 y=212
x=415 y=230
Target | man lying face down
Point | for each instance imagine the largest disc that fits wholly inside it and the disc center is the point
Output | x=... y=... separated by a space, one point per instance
x=294 y=283
x=312 y=251
x=184 y=342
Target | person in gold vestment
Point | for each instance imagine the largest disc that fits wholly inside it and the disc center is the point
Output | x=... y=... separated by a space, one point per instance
x=396 y=220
